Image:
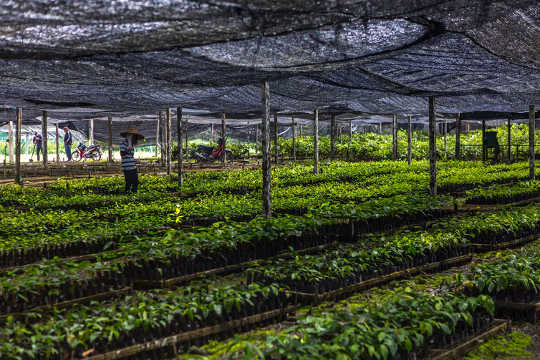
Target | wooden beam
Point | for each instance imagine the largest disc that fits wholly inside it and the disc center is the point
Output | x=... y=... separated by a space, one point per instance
x=266 y=173
x=18 y=131
x=57 y=143
x=532 y=155
x=110 y=139
x=409 y=140
x=293 y=138
x=212 y=139
x=380 y=127
x=332 y=136
x=276 y=140
x=180 y=151
x=484 y=149
x=223 y=137
x=316 y=141
x=509 y=129
x=10 y=141
x=44 y=139
x=168 y=140
x=394 y=137
x=458 y=136
x=432 y=148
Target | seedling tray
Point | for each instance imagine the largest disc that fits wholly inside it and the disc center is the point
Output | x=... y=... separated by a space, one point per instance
x=458 y=351
x=68 y=303
x=190 y=336
x=496 y=206
x=225 y=270
x=522 y=202
x=518 y=310
x=504 y=245
x=344 y=291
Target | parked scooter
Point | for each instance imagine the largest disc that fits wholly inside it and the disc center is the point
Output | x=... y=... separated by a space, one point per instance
x=204 y=153
x=83 y=152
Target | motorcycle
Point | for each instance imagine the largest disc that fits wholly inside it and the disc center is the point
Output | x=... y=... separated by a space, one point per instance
x=82 y=151
x=203 y=154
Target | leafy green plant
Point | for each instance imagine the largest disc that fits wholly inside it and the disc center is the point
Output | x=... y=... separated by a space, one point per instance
x=400 y=324
x=134 y=318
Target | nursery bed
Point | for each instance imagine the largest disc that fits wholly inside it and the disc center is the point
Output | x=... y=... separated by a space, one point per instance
x=380 y=280
x=64 y=304
x=504 y=245
x=458 y=351
x=518 y=311
x=222 y=271
x=199 y=334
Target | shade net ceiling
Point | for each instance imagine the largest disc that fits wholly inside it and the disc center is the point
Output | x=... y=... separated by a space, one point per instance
x=135 y=57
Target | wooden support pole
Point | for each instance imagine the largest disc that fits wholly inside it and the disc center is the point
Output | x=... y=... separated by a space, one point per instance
x=212 y=140
x=27 y=142
x=57 y=143
x=293 y=138
x=432 y=148
x=186 y=134
x=110 y=139
x=223 y=137
x=409 y=140
x=18 y=131
x=10 y=141
x=91 y=132
x=180 y=151
x=168 y=141
x=300 y=130
x=44 y=140
x=349 y=148
x=484 y=149
x=163 y=141
x=276 y=140
x=256 y=135
x=157 y=135
x=266 y=173
x=445 y=130
x=394 y=137
x=458 y=136
x=332 y=136
x=316 y=141
x=532 y=155
x=509 y=150
x=380 y=127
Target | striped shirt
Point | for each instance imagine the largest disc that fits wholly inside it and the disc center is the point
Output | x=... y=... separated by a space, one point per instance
x=128 y=161
x=68 y=139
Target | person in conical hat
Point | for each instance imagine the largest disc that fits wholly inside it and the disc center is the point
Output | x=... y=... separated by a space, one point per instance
x=127 y=150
